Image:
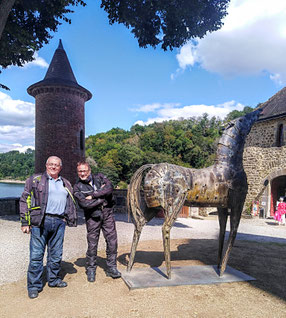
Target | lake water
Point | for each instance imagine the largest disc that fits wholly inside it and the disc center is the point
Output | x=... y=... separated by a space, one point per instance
x=11 y=190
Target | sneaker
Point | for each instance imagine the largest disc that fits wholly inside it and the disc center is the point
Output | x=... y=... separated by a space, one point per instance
x=113 y=272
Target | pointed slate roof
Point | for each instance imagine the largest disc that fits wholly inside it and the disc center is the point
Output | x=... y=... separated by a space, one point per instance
x=275 y=107
x=59 y=73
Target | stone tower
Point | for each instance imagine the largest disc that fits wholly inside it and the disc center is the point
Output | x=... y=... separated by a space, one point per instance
x=60 y=128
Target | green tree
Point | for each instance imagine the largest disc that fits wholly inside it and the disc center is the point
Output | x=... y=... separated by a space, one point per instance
x=169 y=23
x=131 y=158
x=110 y=172
x=236 y=113
x=158 y=157
x=16 y=165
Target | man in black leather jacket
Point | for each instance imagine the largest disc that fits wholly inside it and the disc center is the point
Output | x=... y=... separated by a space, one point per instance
x=94 y=196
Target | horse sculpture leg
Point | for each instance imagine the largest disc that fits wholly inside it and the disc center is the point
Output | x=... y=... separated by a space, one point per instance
x=134 y=207
x=166 y=242
x=137 y=232
x=222 y=215
x=166 y=228
x=235 y=216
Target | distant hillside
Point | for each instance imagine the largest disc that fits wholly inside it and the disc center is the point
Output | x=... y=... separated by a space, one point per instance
x=16 y=165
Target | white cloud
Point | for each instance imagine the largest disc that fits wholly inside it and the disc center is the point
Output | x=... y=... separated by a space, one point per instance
x=17 y=121
x=16 y=133
x=251 y=42
x=38 y=61
x=10 y=147
x=153 y=107
x=175 y=112
x=276 y=78
x=187 y=56
x=16 y=112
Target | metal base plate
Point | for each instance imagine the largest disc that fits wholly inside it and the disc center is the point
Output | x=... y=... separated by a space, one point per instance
x=183 y=275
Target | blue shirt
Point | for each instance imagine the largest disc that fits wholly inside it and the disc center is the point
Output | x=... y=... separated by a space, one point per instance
x=57 y=196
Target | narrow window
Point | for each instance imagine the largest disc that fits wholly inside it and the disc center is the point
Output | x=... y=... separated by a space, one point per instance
x=280 y=139
x=81 y=140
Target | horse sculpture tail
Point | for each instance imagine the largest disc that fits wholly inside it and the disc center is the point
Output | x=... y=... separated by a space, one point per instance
x=134 y=206
x=133 y=193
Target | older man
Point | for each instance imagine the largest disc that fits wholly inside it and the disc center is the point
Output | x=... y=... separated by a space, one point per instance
x=94 y=195
x=46 y=206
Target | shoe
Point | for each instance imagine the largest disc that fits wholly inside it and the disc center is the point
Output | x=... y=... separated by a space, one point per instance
x=33 y=293
x=113 y=272
x=59 y=284
x=91 y=276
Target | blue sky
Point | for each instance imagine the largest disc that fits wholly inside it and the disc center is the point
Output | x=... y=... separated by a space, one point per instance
x=240 y=65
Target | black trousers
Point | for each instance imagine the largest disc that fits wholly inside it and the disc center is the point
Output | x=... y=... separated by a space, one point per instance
x=106 y=223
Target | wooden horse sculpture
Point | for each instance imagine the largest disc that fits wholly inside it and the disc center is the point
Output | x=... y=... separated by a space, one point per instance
x=169 y=187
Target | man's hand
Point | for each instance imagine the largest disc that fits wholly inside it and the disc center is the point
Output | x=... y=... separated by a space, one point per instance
x=89 y=197
x=25 y=229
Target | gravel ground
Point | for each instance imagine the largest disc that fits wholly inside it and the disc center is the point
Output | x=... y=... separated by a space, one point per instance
x=14 y=247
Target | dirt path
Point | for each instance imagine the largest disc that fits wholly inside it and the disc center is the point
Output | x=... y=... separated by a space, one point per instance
x=265 y=297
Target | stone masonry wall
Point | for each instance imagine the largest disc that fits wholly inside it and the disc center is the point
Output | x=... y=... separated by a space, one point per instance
x=261 y=157
x=9 y=206
x=120 y=197
x=264 y=134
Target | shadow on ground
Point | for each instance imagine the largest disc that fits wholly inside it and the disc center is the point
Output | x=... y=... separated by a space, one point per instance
x=153 y=222
x=67 y=268
x=264 y=261
x=101 y=262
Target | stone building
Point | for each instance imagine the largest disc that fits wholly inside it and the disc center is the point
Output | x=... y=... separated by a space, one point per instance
x=60 y=123
x=265 y=156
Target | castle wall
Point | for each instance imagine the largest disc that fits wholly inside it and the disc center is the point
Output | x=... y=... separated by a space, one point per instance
x=263 y=160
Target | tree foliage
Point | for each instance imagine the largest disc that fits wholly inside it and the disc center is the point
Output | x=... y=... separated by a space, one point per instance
x=169 y=23
x=16 y=165
x=236 y=113
x=29 y=26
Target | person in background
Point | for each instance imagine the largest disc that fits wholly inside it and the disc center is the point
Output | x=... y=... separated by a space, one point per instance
x=94 y=195
x=46 y=206
x=280 y=212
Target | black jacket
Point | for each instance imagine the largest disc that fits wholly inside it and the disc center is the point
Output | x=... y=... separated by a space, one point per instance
x=102 y=197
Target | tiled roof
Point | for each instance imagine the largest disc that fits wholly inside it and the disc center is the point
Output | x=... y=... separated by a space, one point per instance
x=60 y=73
x=275 y=106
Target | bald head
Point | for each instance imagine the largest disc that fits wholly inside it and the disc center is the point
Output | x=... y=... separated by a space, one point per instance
x=54 y=157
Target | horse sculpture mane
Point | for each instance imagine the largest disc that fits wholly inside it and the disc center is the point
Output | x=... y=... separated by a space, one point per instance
x=169 y=187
